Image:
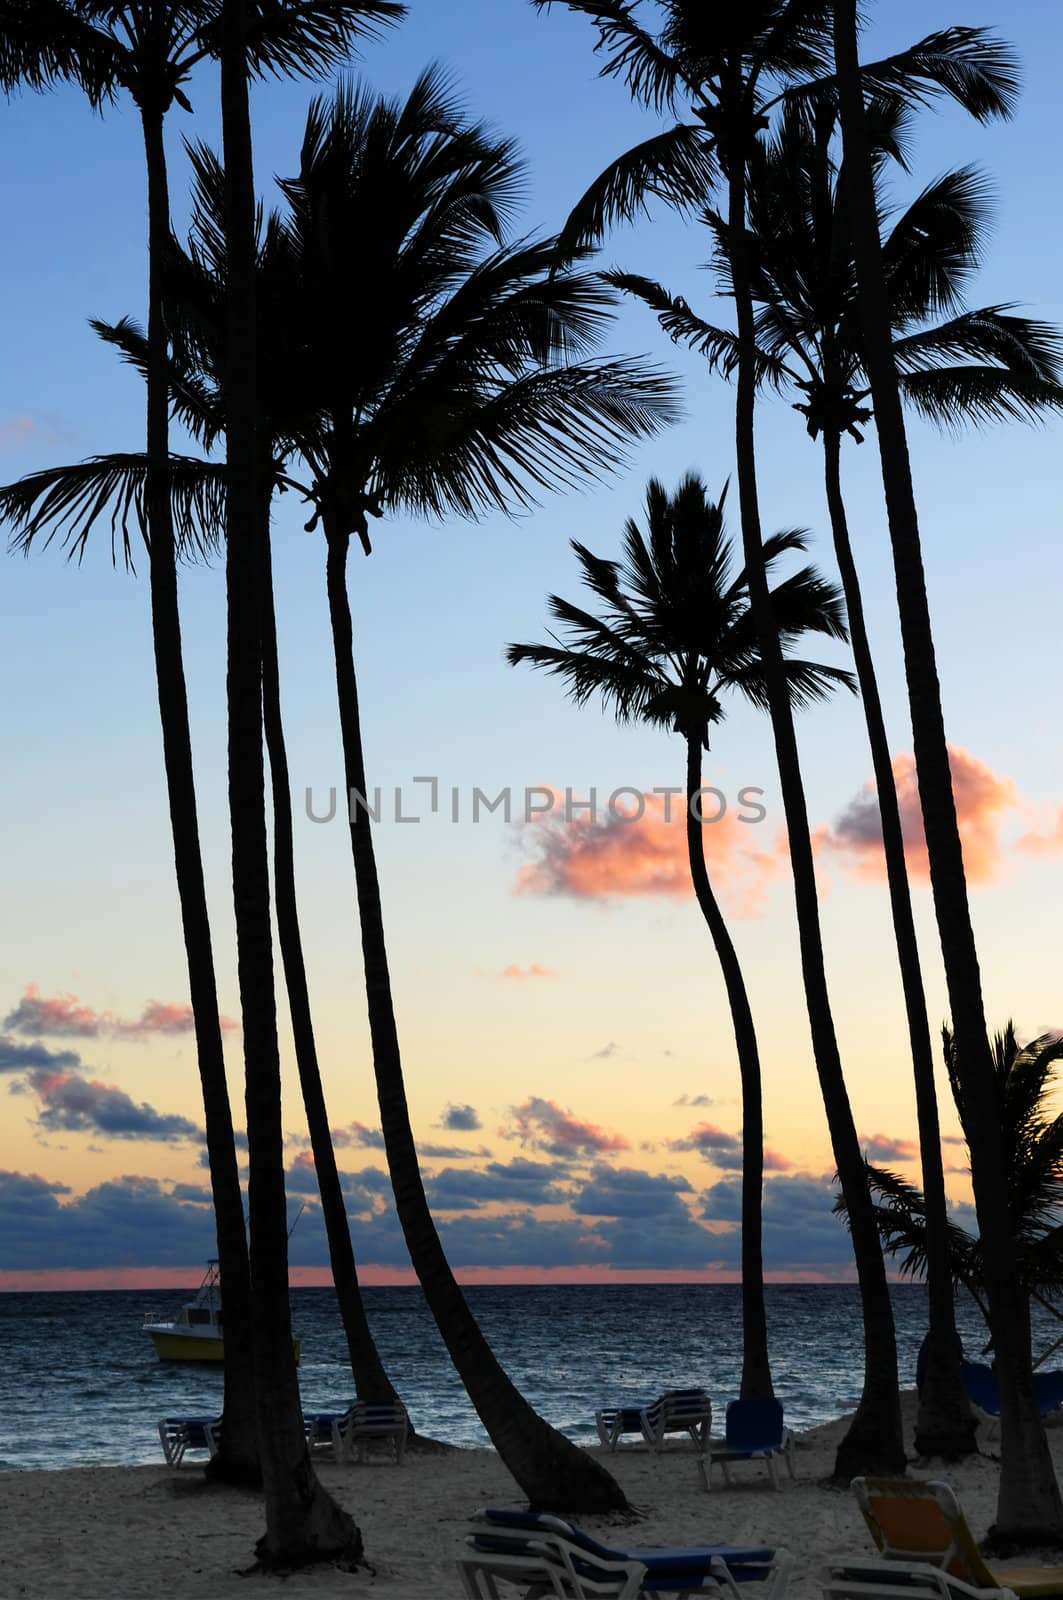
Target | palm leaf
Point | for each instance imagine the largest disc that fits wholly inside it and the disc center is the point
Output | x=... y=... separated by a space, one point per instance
x=677 y=166
x=67 y=503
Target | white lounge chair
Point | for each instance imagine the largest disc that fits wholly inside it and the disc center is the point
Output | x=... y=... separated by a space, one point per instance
x=547 y=1556
x=686 y=1411
x=858 y=1578
x=177 y=1435
x=351 y=1432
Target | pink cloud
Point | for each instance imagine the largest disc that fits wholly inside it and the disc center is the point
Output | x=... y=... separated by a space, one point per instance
x=1035 y=843
x=520 y=974
x=547 y=1126
x=880 y=1147
x=64 y=1015
x=15 y=431
x=982 y=800
x=624 y=857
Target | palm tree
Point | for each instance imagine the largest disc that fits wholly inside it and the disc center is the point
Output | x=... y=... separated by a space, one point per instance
x=973 y=365
x=672 y=639
x=732 y=68
x=196 y=298
x=151 y=50
x=1033 y=1145
x=1029 y=1505
x=457 y=378
x=303 y=1522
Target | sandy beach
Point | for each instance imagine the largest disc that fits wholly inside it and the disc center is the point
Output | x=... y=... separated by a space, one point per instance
x=98 y=1533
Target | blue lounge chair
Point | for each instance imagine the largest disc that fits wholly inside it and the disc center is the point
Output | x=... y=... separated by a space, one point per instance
x=510 y=1536
x=1048 y=1386
x=755 y=1431
x=180 y=1434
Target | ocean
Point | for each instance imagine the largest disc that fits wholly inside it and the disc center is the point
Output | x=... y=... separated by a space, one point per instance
x=80 y=1383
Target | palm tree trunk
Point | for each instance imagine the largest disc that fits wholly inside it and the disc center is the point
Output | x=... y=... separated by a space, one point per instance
x=756 y=1367
x=945 y=1425
x=371 y=1381
x=237 y=1460
x=552 y=1472
x=303 y=1523
x=1029 y=1504
x=874 y=1441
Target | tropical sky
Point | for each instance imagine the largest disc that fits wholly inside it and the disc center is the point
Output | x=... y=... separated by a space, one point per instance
x=568 y=1052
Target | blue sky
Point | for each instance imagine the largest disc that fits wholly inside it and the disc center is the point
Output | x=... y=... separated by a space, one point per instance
x=87 y=880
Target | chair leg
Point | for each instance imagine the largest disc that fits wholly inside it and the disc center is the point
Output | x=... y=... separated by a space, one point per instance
x=705 y=1472
x=773 y=1473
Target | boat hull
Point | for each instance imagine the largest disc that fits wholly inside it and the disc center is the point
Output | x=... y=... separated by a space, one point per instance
x=171 y=1345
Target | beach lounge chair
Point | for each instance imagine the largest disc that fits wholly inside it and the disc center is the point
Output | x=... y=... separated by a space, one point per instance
x=350 y=1432
x=180 y=1434
x=923 y=1522
x=503 y=1538
x=615 y=1421
x=755 y=1431
x=686 y=1411
x=983 y=1391
x=856 y=1579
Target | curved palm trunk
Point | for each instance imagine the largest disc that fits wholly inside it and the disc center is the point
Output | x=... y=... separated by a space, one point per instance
x=371 y=1381
x=874 y=1441
x=1029 y=1504
x=756 y=1368
x=237 y=1460
x=553 y=1473
x=945 y=1425
x=303 y=1523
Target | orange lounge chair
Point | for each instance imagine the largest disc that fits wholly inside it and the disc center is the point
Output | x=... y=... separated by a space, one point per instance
x=922 y=1522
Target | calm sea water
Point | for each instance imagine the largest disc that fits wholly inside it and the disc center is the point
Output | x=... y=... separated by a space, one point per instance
x=80 y=1382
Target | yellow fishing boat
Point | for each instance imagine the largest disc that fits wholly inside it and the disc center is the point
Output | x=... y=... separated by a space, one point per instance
x=195 y=1334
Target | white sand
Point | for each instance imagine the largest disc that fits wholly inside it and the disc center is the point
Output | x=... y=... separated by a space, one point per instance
x=104 y=1533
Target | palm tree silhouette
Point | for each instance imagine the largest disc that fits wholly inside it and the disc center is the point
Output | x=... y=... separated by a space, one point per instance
x=303 y=1522
x=670 y=641
x=479 y=391
x=956 y=365
x=1033 y=1145
x=732 y=68
x=1029 y=1504
x=456 y=375
x=150 y=51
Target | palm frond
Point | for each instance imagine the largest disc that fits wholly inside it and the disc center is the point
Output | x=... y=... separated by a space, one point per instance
x=632 y=54
x=45 y=42
x=719 y=346
x=303 y=38
x=677 y=166
x=972 y=66
x=67 y=503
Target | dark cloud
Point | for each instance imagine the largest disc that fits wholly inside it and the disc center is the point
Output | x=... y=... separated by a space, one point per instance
x=607 y=1051
x=800 y=1230
x=450 y=1152
x=77 y=1105
x=126 y=1222
x=362 y=1190
x=15 y=1056
x=358 y=1135
x=534 y=1183
x=197 y=1193
x=460 y=1119
x=695 y=1101
x=545 y=1126
x=629 y=1192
